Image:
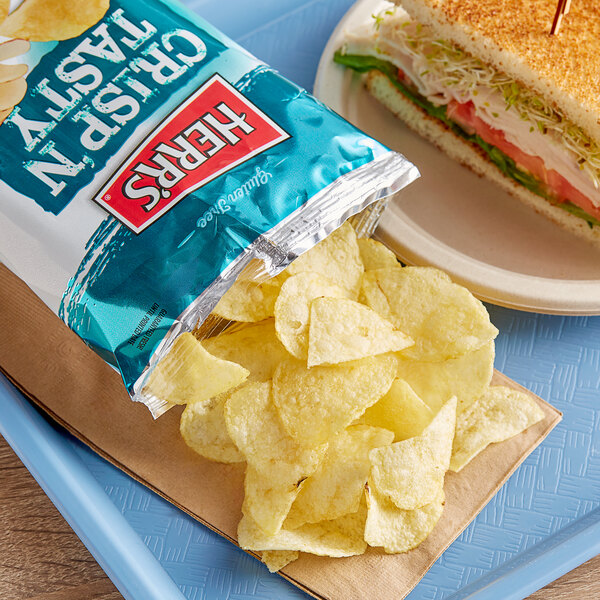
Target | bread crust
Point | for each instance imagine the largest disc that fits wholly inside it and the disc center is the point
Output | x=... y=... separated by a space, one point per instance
x=513 y=36
x=470 y=155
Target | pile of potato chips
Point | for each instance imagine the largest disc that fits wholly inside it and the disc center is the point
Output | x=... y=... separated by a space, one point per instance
x=349 y=385
x=37 y=21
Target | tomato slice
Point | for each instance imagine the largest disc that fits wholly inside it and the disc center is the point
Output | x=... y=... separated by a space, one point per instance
x=464 y=114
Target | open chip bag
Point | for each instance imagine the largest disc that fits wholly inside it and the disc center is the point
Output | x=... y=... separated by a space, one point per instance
x=148 y=160
x=201 y=223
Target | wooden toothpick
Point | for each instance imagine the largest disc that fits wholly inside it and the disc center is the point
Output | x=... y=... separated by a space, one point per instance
x=562 y=9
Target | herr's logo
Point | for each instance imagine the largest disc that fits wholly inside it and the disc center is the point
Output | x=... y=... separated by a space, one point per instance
x=214 y=130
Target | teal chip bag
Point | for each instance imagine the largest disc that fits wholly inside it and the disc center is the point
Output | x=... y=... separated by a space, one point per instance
x=147 y=161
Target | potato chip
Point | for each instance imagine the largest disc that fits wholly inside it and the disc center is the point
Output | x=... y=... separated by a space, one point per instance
x=12 y=92
x=292 y=309
x=337 y=486
x=500 y=413
x=275 y=560
x=48 y=20
x=398 y=530
x=13 y=48
x=5 y=113
x=249 y=301
x=340 y=537
x=315 y=404
x=267 y=499
x=11 y=72
x=375 y=255
x=4 y=8
x=400 y=411
x=443 y=318
x=336 y=258
x=411 y=473
x=188 y=373
x=203 y=429
x=465 y=377
x=256 y=347
x=255 y=428
x=341 y=330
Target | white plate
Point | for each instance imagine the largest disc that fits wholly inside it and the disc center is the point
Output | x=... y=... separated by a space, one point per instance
x=453 y=219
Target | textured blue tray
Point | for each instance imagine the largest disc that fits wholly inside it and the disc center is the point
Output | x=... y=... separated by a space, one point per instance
x=542 y=523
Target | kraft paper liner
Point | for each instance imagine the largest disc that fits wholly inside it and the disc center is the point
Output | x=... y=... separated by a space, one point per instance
x=55 y=369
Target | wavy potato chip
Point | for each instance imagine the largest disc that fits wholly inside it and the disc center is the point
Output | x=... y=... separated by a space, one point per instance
x=255 y=428
x=188 y=373
x=337 y=486
x=256 y=347
x=336 y=258
x=411 y=473
x=465 y=377
x=398 y=530
x=12 y=92
x=374 y=255
x=249 y=301
x=268 y=499
x=341 y=330
x=292 y=309
x=400 y=411
x=443 y=318
x=11 y=72
x=315 y=404
x=49 y=20
x=203 y=429
x=13 y=48
x=499 y=414
x=4 y=114
x=337 y=538
x=275 y=560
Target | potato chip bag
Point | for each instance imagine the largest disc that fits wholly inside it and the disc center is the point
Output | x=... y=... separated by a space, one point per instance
x=411 y=473
x=341 y=330
x=275 y=560
x=337 y=486
x=465 y=377
x=203 y=429
x=315 y=404
x=292 y=309
x=398 y=530
x=190 y=374
x=256 y=347
x=337 y=538
x=336 y=258
x=400 y=411
x=374 y=255
x=443 y=318
x=500 y=413
x=154 y=170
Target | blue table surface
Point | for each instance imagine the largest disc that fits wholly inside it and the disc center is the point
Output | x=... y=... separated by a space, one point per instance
x=542 y=523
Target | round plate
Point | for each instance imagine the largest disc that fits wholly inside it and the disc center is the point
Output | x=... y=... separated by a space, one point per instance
x=451 y=218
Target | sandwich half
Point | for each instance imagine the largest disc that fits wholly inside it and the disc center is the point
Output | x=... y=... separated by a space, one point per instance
x=485 y=82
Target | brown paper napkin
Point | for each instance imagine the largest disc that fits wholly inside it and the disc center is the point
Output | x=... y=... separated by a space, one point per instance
x=55 y=369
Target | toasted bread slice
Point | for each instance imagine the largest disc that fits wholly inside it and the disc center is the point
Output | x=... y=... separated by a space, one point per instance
x=513 y=36
x=470 y=154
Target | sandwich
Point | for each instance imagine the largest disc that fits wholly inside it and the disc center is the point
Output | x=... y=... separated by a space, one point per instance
x=486 y=82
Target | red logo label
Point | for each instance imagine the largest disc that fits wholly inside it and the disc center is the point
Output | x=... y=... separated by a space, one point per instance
x=214 y=130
